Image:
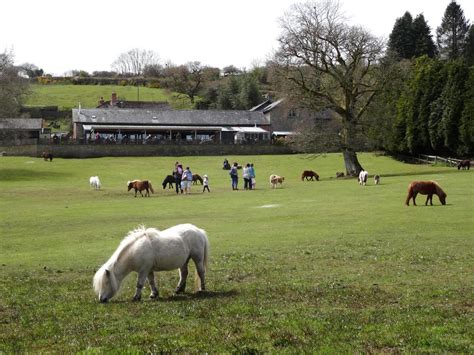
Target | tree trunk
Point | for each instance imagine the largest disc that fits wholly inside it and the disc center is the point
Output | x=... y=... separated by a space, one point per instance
x=351 y=162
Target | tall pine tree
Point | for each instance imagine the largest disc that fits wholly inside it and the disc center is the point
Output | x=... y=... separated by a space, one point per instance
x=469 y=48
x=423 y=41
x=452 y=33
x=401 y=40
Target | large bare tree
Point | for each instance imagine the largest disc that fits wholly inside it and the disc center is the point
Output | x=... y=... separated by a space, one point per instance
x=13 y=88
x=329 y=64
x=135 y=61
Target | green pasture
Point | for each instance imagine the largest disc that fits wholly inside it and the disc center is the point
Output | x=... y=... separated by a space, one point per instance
x=70 y=96
x=325 y=267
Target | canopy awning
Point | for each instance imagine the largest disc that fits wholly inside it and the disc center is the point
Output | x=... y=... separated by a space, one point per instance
x=136 y=128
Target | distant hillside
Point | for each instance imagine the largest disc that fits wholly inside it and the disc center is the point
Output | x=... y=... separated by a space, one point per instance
x=69 y=96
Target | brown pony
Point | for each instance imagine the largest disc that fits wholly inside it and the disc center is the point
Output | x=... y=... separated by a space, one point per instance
x=196 y=178
x=47 y=156
x=140 y=185
x=429 y=188
x=309 y=175
x=464 y=164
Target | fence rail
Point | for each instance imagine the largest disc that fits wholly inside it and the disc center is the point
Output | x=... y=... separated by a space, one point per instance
x=434 y=159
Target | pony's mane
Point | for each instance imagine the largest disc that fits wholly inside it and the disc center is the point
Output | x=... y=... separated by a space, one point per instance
x=132 y=236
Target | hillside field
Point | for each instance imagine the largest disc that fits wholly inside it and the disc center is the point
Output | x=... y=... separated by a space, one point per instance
x=70 y=96
x=327 y=267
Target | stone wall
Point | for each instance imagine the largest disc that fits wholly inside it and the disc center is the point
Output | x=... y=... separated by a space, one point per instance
x=95 y=151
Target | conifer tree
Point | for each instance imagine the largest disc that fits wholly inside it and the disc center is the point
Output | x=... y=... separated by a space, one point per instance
x=402 y=40
x=423 y=41
x=452 y=33
x=469 y=48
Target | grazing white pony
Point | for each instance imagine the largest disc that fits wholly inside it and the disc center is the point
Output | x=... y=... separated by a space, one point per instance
x=147 y=250
x=363 y=177
x=94 y=181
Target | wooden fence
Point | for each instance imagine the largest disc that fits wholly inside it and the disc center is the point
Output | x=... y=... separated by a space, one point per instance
x=434 y=159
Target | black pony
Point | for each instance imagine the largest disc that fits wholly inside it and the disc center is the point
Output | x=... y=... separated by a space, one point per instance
x=169 y=180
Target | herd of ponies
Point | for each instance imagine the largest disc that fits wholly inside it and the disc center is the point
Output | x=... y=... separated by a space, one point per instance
x=149 y=250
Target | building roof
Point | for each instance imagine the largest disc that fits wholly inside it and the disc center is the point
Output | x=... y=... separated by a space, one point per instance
x=169 y=117
x=21 y=123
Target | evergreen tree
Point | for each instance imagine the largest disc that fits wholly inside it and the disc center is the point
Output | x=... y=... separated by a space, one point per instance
x=466 y=127
x=452 y=33
x=402 y=40
x=423 y=41
x=453 y=102
x=469 y=48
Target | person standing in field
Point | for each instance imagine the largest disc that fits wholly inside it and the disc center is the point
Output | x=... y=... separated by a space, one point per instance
x=187 y=180
x=252 y=177
x=178 y=173
x=205 y=183
x=234 y=176
x=246 y=177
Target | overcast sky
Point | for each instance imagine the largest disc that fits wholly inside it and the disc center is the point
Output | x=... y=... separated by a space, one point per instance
x=61 y=35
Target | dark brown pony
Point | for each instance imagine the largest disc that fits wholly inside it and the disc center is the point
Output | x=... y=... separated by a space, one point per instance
x=47 y=156
x=140 y=185
x=464 y=164
x=309 y=175
x=169 y=180
x=429 y=188
x=196 y=178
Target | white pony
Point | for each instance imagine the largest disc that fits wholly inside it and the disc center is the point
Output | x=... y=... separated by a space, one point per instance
x=94 y=181
x=363 y=177
x=147 y=250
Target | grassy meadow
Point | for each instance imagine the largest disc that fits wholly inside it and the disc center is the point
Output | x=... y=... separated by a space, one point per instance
x=326 y=266
x=69 y=96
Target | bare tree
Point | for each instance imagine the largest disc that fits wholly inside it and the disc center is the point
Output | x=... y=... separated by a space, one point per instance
x=185 y=79
x=13 y=88
x=328 y=64
x=135 y=61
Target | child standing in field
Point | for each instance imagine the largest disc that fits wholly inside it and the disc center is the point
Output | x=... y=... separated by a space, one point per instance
x=205 y=182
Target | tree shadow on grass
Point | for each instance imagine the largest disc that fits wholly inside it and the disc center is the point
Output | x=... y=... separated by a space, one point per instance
x=428 y=172
x=27 y=175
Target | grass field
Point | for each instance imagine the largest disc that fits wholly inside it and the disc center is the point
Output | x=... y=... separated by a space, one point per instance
x=69 y=96
x=326 y=266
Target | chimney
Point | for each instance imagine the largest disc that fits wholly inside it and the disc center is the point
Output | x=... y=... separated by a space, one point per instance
x=113 y=101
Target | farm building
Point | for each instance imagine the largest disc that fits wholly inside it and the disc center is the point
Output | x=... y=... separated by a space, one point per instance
x=22 y=130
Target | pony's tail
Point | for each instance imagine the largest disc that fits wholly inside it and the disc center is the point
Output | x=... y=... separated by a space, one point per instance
x=197 y=279
x=151 y=187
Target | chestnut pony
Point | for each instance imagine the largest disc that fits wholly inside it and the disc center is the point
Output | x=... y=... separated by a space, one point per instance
x=140 y=185
x=309 y=175
x=429 y=188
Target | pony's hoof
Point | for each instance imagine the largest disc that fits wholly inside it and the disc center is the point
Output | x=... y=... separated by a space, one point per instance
x=153 y=296
x=136 y=299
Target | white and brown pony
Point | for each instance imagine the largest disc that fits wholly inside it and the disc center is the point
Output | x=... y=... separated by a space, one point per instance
x=429 y=188
x=139 y=186
x=148 y=250
x=275 y=180
x=94 y=181
x=363 y=175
